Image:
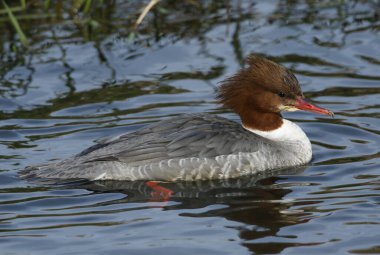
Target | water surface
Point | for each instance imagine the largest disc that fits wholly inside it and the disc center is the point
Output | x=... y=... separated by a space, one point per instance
x=73 y=87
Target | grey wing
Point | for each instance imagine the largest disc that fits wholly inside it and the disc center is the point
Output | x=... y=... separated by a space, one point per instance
x=144 y=136
x=186 y=136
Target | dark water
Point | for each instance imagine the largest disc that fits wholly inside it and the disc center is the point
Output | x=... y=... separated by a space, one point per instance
x=73 y=87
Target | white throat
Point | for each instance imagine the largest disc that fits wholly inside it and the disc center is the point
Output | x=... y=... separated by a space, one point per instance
x=288 y=131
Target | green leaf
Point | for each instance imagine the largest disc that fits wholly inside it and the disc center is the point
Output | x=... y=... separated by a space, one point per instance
x=16 y=25
x=46 y=4
x=87 y=6
x=131 y=36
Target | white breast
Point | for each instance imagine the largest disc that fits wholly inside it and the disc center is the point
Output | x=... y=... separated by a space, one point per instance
x=290 y=140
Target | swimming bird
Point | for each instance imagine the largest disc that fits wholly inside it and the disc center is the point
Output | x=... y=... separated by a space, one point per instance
x=204 y=146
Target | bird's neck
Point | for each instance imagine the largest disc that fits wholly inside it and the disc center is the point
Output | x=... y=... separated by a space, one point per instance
x=288 y=131
x=262 y=121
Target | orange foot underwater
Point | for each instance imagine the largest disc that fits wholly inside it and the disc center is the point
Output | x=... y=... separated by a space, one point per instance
x=159 y=193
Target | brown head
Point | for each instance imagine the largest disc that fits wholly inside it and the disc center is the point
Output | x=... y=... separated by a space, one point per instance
x=260 y=91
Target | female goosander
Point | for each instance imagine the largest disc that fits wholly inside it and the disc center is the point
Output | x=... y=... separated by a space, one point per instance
x=204 y=146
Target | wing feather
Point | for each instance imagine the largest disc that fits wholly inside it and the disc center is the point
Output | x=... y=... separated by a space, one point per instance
x=186 y=136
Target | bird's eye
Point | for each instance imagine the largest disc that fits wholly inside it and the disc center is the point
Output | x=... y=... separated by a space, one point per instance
x=281 y=94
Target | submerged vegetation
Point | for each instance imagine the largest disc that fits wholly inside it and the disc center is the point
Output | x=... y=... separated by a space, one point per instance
x=93 y=19
x=24 y=22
